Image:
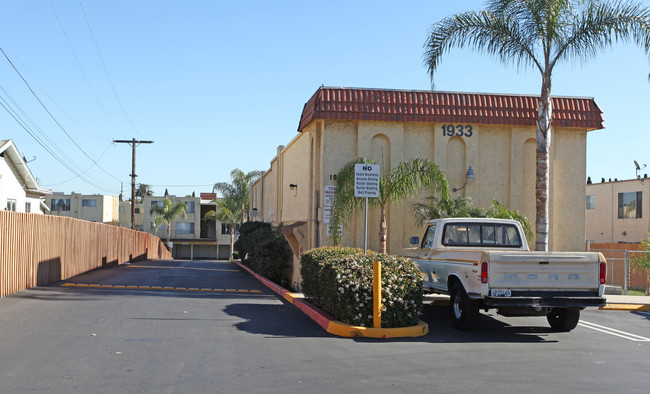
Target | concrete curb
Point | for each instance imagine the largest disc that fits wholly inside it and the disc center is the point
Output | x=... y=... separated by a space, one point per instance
x=625 y=307
x=333 y=326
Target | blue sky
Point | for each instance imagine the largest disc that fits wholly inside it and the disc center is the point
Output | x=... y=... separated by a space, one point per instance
x=219 y=85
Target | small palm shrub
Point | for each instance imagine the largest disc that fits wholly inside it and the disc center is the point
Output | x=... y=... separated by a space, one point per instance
x=340 y=281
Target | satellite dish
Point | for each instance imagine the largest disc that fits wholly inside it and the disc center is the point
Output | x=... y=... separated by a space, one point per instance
x=638 y=168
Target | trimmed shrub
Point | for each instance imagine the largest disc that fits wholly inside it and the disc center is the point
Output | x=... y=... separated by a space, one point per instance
x=265 y=250
x=339 y=281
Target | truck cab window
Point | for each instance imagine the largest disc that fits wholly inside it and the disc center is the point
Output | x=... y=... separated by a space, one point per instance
x=427 y=241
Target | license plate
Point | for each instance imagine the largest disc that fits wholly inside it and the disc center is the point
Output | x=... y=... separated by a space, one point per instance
x=501 y=293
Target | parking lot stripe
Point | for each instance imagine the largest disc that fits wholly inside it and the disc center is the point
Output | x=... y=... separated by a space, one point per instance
x=613 y=331
x=167 y=288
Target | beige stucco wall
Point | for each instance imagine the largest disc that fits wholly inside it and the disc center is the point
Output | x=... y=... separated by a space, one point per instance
x=502 y=158
x=603 y=224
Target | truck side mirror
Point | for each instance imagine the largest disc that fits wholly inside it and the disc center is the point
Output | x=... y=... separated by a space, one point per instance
x=414 y=240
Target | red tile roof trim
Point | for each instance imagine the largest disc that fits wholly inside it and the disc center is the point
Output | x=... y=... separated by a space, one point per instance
x=441 y=107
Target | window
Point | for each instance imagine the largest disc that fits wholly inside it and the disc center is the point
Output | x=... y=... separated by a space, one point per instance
x=427 y=241
x=28 y=207
x=225 y=229
x=122 y=209
x=155 y=203
x=60 y=204
x=89 y=203
x=184 y=228
x=11 y=204
x=477 y=234
x=190 y=206
x=591 y=201
x=136 y=210
x=629 y=205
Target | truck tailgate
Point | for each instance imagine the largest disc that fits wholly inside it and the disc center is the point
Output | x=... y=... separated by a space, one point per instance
x=543 y=271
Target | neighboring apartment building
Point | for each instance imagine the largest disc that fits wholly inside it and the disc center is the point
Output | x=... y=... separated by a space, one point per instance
x=125 y=215
x=494 y=134
x=93 y=208
x=618 y=211
x=192 y=237
x=19 y=190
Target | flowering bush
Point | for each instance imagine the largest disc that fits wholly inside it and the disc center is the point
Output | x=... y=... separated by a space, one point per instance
x=339 y=281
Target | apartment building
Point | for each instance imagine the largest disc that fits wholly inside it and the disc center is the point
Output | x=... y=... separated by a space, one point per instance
x=618 y=211
x=485 y=143
x=94 y=207
x=19 y=189
x=192 y=237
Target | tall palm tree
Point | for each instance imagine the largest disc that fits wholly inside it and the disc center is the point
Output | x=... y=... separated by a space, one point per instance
x=239 y=189
x=540 y=33
x=227 y=212
x=166 y=213
x=143 y=190
x=403 y=181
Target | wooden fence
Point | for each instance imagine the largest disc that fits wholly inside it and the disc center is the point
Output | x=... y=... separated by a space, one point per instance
x=41 y=249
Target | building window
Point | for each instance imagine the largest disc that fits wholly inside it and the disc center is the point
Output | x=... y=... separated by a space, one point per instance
x=28 y=207
x=89 y=203
x=11 y=204
x=225 y=228
x=137 y=210
x=629 y=205
x=122 y=209
x=60 y=204
x=184 y=228
x=155 y=203
x=591 y=201
x=190 y=206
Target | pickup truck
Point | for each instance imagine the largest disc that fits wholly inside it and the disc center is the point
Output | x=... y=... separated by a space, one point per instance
x=485 y=263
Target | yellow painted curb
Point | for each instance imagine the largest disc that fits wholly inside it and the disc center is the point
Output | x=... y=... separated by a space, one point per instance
x=625 y=307
x=292 y=296
x=346 y=330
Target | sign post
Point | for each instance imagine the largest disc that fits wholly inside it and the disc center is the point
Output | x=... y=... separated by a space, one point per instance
x=366 y=184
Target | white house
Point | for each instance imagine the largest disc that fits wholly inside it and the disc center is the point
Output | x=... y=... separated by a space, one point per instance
x=19 y=190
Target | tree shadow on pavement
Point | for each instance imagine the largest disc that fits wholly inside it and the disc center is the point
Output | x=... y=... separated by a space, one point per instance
x=276 y=320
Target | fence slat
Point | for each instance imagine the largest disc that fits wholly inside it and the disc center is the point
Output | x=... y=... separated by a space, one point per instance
x=41 y=249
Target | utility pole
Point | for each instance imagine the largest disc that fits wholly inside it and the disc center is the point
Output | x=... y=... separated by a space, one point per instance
x=133 y=144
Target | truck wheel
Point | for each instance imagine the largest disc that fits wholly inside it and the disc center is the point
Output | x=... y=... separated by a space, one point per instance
x=563 y=319
x=464 y=311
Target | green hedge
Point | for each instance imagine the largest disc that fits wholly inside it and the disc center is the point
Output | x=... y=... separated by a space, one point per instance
x=265 y=250
x=339 y=281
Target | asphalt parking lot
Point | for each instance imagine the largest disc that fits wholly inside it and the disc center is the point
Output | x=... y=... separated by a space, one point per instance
x=182 y=326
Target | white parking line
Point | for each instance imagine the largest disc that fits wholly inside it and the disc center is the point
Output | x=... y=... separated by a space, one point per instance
x=613 y=331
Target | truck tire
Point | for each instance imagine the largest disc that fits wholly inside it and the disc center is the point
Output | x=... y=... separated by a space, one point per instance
x=563 y=319
x=464 y=311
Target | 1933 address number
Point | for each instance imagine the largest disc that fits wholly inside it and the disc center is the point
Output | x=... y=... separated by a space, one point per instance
x=450 y=130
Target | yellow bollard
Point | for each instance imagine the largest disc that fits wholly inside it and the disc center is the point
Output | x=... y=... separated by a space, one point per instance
x=376 y=294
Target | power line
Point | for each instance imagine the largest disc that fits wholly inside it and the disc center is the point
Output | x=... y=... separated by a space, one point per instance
x=52 y=116
x=110 y=81
x=65 y=35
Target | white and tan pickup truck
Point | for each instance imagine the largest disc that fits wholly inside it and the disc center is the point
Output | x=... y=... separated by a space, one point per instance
x=485 y=263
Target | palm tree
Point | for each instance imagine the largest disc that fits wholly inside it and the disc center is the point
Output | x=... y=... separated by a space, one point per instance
x=239 y=189
x=540 y=33
x=143 y=190
x=227 y=211
x=166 y=213
x=403 y=181
x=446 y=207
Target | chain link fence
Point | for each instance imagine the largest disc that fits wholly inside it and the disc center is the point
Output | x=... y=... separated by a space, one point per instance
x=622 y=270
